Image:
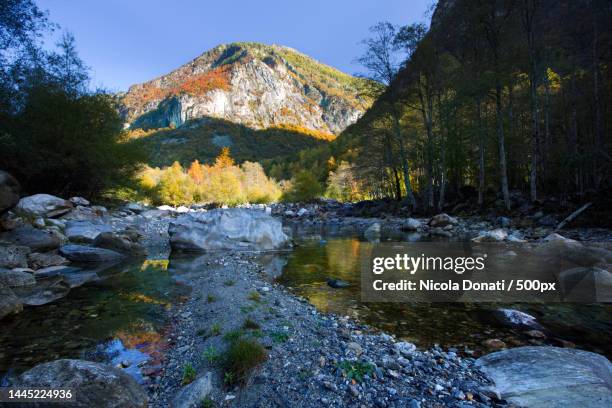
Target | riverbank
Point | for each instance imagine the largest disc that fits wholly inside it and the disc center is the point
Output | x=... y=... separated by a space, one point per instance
x=313 y=359
x=298 y=356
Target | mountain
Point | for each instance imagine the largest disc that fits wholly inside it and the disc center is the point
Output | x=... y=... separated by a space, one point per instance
x=251 y=84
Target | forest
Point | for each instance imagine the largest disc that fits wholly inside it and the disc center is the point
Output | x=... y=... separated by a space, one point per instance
x=496 y=96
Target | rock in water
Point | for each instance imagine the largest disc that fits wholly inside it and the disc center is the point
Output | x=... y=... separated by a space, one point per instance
x=9 y=303
x=43 y=205
x=338 y=283
x=82 y=253
x=442 y=220
x=372 y=232
x=93 y=384
x=496 y=235
x=191 y=395
x=411 y=224
x=9 y=191
x=37 y=260
x=550 y=377
x=123 y=243
x=227 y=229
x=38 y=240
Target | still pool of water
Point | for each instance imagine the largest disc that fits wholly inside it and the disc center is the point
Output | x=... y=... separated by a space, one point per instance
x=115 y=319
x=315 y=260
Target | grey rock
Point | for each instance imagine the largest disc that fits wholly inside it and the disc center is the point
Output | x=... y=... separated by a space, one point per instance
x=411 y=224
x=14 y=278
x=93 y=384
x=585 y=284
x=550 y=376
x=85 y=231
x=516 y=318
x=191 y=395
x=123 y=243
x=135 y=207
x=12 y=256
x=405 y=348
x=496 y=235
x=227 y=229
x=44 y=291
x=79 y=201
x=36 y=239
x=442 y=220
x=9 y=191
x=37 y=260
x=372 y=233
x=338 y=283
x=43 y=205
x=82 y=253
x=9 y=302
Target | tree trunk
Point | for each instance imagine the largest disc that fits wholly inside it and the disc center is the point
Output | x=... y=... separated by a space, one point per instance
x=481 y=154
x=501 y=145
x=405 y=165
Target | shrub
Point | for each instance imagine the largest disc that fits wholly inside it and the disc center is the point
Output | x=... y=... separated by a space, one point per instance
x=215 y=329
x=356 y=370
x=210 y=354
x=242 y=356
x=304 y=187
x=254 y=296
x=250 y=324
x=189 y=374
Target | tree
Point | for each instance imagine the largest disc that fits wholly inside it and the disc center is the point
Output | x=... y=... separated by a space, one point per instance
x=224 y=159
x=381 y=58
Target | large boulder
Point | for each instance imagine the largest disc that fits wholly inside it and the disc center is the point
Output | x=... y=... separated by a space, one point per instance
x=34 y=238
x=93 y=384
x=557 y=246
x=15 y=278
x=85 y=231
x=9 y=302
x=227 y=229
x=9 y=191
x=82 y=253
x=192 y=395
x=13 y=256
x=43 y=205
x=550 y=377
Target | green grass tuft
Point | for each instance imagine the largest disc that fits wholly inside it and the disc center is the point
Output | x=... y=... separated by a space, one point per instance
x=242 y=356
x=189 y=374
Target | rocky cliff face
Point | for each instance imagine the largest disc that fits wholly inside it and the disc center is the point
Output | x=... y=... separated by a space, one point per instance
x=252 y=84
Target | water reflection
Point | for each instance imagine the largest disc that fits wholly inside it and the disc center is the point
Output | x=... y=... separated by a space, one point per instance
x=124 y=311
x=313 y=262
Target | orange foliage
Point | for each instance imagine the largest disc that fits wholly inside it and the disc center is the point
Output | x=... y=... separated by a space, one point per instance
x=196 y=173
x=217 y=78
x=224 y=159
x=317 y=134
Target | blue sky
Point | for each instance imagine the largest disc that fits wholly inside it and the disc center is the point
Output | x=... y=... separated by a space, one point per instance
x=131 y=41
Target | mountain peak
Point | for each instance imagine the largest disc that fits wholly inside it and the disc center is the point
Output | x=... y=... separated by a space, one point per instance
x=249 y=83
